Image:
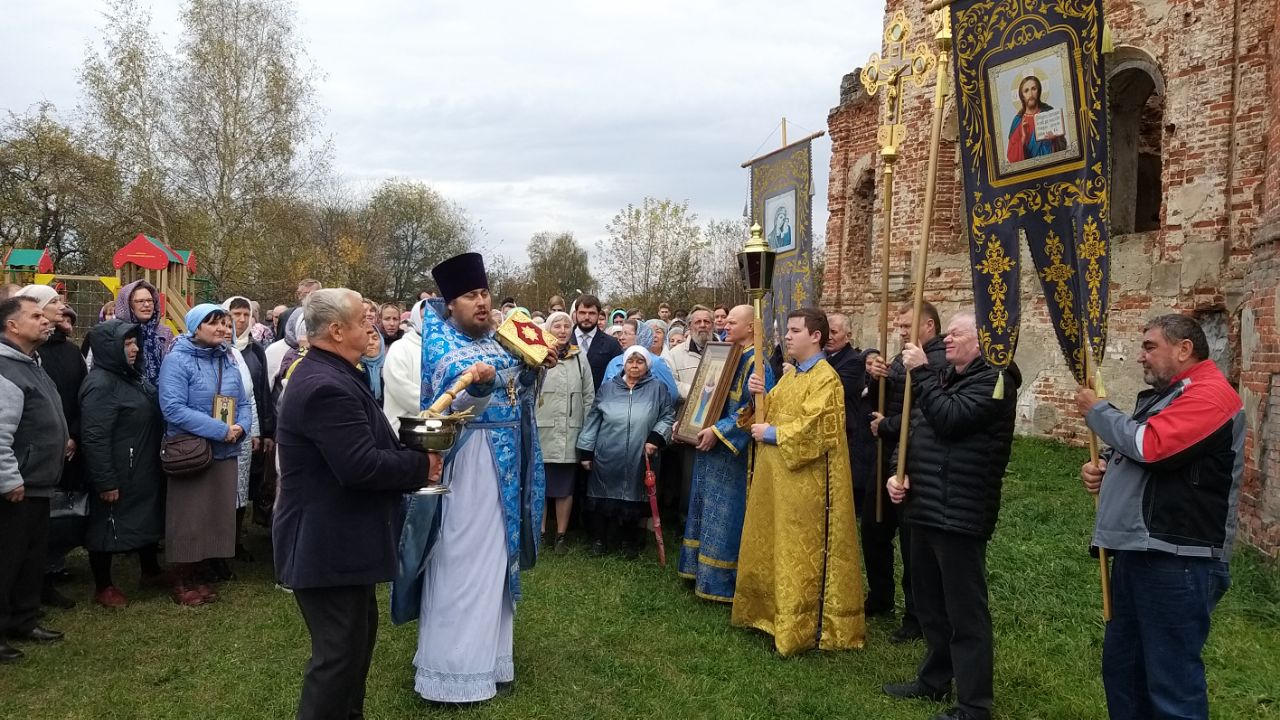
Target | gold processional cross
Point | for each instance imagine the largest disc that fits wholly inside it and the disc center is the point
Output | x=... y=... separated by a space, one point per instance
x=889 y=72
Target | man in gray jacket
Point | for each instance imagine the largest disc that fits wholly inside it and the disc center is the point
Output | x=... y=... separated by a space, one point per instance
x=33 y=444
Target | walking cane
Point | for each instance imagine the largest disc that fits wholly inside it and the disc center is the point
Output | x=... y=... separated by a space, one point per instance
x=651 y=488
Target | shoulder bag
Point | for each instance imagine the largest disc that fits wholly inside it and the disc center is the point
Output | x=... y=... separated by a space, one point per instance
x=186 y=454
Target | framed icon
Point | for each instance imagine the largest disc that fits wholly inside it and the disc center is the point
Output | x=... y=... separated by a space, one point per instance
x=710 y=388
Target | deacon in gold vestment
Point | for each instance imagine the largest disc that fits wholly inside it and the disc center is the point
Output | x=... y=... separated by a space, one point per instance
x=800 y=568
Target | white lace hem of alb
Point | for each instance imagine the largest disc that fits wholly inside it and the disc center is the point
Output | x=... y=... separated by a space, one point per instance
x=464 y=687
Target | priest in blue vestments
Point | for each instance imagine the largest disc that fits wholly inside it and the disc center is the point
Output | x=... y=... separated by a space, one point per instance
x=462 y=553
x=718 y=496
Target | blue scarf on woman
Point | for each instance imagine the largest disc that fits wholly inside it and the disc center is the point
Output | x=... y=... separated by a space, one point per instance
x=372 y=367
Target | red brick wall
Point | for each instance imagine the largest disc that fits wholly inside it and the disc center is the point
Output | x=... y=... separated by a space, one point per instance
x=1208 y=255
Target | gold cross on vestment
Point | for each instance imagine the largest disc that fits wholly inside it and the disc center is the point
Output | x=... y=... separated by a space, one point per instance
x=889 y=71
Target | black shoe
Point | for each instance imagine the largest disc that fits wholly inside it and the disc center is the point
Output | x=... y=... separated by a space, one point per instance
x=915 y=690
x=598 y=548
x=905 y=634
x=562 y=545
x=37 y=634
x=629 y=551
x=50 y=596
x=955 y=713
x=9 y=653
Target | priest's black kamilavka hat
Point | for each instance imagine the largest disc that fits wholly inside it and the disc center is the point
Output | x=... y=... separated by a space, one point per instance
x=459 y=275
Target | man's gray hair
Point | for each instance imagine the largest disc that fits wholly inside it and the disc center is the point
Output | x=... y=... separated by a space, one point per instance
x=1177 y=328
x=967 y=316
x=325 y=307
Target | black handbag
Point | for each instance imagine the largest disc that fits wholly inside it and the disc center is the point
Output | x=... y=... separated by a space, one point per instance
x=186 y=454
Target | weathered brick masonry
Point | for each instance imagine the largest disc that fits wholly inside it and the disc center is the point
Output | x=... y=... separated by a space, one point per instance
x=1195 y=217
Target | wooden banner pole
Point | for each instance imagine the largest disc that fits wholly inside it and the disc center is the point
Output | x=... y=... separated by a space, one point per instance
x=926 y=222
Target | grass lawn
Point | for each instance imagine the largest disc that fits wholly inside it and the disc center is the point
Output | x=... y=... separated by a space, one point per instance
x=607 y=638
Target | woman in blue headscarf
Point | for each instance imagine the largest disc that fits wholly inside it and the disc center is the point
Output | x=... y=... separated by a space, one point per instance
x=371 y=364
x=196 y=377
x=641 y=334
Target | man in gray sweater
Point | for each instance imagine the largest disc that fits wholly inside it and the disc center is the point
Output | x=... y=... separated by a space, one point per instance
x=33 y=445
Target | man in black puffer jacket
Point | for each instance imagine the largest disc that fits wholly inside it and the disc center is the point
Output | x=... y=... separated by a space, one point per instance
x=961 y=435
x=877 y=536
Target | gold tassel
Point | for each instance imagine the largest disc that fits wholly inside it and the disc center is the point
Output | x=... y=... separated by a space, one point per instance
x=999 y=392
x=1098 y=388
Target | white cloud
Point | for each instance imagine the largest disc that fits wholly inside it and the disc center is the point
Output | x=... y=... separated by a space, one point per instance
x=534 y=116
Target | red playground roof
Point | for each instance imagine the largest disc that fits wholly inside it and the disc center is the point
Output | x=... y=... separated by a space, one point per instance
x=148 y=252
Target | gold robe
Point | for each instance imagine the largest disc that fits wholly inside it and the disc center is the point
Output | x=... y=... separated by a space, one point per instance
x=800 y=566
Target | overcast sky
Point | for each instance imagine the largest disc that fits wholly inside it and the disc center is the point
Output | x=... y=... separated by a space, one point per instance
x=548 y=115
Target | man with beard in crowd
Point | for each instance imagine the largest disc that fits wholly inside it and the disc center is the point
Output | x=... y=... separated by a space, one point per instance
x=599 y=347
x=684 y=360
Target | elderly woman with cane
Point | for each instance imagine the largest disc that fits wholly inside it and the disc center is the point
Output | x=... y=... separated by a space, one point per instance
x=629 y=422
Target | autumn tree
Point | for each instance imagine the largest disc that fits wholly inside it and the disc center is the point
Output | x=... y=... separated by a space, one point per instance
x=226 y=125
x=558 y=265
x=55 y=193
x=412 y=228
x=721 y=279
x=653 y=253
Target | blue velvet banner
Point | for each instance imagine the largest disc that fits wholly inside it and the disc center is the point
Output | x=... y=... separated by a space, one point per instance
x=782 y=204
x=1032 y=111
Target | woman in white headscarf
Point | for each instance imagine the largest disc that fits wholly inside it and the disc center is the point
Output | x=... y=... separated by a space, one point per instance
x=251 y=362
x=630 y=421
x=402 y=371
x=565 y=395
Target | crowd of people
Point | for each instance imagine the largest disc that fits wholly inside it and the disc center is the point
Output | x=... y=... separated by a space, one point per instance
x=139 y=442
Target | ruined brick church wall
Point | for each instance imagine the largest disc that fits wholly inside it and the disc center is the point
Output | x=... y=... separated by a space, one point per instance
x=1209 y=122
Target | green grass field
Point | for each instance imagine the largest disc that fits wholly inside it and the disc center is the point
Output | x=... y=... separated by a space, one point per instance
x=607 y=638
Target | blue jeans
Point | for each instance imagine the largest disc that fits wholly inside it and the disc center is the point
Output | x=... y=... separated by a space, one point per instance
x=1161 y=603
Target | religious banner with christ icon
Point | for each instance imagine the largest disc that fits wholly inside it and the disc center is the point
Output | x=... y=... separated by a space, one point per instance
x=782 y=204
x=1032 y=111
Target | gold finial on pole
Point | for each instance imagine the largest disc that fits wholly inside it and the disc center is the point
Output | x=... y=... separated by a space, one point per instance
x=888 y=73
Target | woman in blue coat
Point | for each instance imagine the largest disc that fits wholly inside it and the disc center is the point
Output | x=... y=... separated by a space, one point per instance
x=200 y=509
x=630 y=420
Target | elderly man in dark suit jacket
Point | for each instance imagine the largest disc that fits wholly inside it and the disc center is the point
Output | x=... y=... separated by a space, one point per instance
x=600 y=347
x=337 y=520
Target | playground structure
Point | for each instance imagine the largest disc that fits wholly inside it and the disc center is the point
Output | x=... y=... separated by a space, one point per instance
x=172 y=272
x=21 y=265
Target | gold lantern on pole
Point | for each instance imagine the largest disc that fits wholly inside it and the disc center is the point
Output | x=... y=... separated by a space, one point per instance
x=755 y=262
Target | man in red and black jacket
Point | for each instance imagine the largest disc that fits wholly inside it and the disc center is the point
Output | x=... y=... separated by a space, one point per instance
x=1167 y=511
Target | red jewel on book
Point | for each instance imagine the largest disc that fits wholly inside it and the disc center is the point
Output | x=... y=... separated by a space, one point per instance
x=530 y=333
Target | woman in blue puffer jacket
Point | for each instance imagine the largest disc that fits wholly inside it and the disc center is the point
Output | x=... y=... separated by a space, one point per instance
x=200 y=509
